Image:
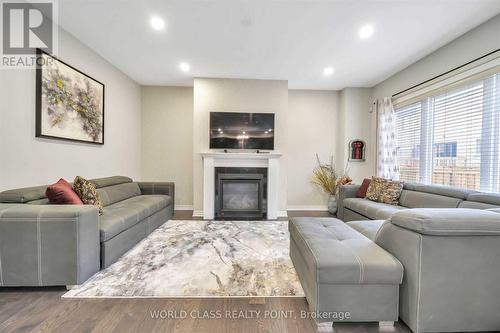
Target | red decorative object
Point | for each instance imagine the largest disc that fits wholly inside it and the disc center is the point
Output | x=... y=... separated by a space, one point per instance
x=62 y=193
x=357 y=150
x=361 y=193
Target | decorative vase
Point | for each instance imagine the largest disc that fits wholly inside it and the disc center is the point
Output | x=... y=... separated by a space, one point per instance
x=332 y=204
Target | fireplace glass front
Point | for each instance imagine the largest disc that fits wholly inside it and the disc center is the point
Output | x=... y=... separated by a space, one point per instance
x=239 y=195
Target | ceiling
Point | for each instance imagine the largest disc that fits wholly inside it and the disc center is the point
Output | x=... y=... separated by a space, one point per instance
x=274 y=39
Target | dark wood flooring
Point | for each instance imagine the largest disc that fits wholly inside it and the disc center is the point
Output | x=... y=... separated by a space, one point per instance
x=43 y=310
x=188 y=214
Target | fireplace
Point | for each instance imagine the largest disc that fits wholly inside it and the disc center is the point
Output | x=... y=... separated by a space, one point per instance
x=267 y=164
x=240 y=193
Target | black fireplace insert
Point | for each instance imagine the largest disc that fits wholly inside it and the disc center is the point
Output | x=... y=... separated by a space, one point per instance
x=240 y=193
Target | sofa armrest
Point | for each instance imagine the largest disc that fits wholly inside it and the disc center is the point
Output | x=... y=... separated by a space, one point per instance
x=48 y=245
x=345 y=191
x=448 y=221
x=166 y=188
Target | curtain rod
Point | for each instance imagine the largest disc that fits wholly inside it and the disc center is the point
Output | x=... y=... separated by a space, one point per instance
x=445 y=73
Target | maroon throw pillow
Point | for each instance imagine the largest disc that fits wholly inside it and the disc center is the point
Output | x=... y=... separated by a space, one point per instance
x=361 y=193
x=62 y=193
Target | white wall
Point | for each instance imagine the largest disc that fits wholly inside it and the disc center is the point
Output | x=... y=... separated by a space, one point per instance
x=355 y=122
x=167 y=139
x=312 y=129
x=175 y=132
x=232 y=95
x=475 y=43
x=28 y=161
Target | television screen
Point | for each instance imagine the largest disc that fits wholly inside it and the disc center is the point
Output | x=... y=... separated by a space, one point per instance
x=230 y=130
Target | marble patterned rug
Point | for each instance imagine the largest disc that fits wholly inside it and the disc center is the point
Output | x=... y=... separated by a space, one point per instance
x=201 y=259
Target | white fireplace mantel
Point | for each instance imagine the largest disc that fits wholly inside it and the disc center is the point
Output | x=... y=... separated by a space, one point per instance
x=211 y=160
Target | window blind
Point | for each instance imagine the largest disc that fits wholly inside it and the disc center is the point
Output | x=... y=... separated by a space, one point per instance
x=453 y=137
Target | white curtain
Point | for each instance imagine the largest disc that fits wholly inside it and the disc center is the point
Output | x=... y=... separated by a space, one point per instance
x=387 y=162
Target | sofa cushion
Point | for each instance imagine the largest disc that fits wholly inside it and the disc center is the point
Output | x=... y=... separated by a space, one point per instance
x=367 y=228
x=44 y=201
x=23 y=195
x=476 y=205
x=494 y=210
x=115 y=193
x=416 y=199
x=446 y=191
x=341 y=255
x=371 y=209
x=109 y=181
x=487 y=198
x=448 y=221
x=125 y=214
x=36 y=193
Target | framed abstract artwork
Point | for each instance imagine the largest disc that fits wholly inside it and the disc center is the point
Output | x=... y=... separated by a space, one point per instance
x=69 y=103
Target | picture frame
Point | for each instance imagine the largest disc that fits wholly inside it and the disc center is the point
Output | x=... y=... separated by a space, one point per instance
x=357 y=149
x=69 y=103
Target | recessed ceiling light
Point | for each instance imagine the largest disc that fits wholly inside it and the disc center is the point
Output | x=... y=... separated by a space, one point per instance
x=327 y=71
x=366 y=31
x=157 y=23
x=184 y=66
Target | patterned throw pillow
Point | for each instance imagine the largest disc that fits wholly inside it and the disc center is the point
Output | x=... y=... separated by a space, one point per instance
x=375 y=189
x=87 y=192
x=384 y=190
x=392 y=192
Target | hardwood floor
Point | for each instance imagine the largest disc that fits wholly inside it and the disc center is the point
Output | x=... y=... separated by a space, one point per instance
x=43 y=310
x=306 y=213
x=188 y=214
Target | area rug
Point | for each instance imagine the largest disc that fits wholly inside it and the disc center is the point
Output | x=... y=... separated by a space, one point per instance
x=201 y=259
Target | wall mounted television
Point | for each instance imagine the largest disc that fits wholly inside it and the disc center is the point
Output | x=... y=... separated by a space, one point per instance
x=234 y=130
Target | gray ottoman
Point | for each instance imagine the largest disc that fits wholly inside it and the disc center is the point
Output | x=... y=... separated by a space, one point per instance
x=345 y=276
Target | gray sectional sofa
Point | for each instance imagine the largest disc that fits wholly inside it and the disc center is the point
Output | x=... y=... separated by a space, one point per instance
x=43 y=244
x=351 y=208
x=451 y=267
x=446 y=241
x=446 y=260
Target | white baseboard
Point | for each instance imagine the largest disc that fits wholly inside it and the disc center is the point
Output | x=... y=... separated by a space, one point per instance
x=197 y=213
x=309 y=208
x=282 y=213
x=183 y=207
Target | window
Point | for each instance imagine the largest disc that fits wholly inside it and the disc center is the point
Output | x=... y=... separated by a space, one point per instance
x=452 y=138
x=446 y=149
x=408 y=133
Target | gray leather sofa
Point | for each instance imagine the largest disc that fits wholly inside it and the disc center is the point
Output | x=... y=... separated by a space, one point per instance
x=351 y=208
x=43 y=244
x=449 y=259
x=451 y=266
